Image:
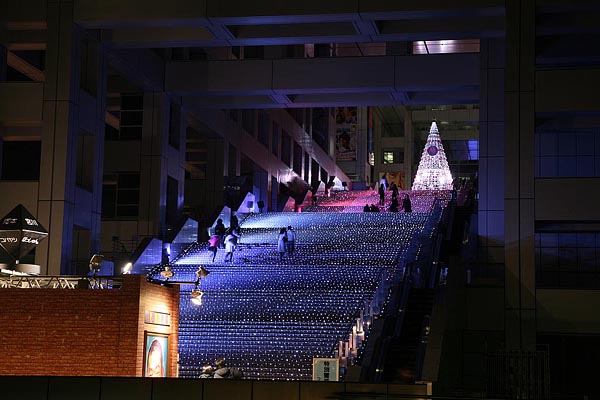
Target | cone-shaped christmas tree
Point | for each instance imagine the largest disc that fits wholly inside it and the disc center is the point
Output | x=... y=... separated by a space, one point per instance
x=433 y=172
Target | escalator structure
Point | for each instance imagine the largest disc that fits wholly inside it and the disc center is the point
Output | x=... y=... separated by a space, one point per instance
x=405 y=352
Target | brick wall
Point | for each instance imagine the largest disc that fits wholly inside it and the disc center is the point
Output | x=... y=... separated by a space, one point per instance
x=83 y=332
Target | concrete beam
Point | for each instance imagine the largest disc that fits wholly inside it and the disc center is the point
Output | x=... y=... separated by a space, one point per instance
x=324 y=75
x=309 y=100
x=93 y=14
x=264 y=22
x=15 y=40
x=159 y=37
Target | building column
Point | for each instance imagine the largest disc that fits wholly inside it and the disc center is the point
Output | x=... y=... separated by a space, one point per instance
x=490 y=216
x=162 y=156
x=3 y=63
x=71 y=163
x=519 y=218
x=362 y=167
x=59 y=140
x=409 y=142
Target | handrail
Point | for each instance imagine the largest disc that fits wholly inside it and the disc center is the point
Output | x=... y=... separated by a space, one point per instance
x=60 y=282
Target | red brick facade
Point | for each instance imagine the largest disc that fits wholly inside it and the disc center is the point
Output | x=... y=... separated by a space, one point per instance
x=83 y=331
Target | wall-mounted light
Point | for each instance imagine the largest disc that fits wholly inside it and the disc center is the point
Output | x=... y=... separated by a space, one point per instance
x=196 y=296
x=127 y=268
x=167 y=273
x=202 y=272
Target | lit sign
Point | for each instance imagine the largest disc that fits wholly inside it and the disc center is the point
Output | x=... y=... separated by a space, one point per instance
x=157 y=318
x=326 y=369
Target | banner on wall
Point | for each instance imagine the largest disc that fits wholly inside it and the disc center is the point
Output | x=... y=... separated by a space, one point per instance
x=345 y=133
x=394 y=177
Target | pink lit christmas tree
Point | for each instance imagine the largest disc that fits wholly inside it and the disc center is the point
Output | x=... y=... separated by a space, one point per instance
x=433 y=172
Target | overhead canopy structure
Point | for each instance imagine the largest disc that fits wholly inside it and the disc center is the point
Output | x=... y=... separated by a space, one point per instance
x=20 y=232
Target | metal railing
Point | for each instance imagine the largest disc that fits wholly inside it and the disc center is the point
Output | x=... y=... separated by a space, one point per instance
x=60 y=282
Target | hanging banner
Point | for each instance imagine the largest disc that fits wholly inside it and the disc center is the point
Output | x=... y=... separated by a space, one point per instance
x=345 y=133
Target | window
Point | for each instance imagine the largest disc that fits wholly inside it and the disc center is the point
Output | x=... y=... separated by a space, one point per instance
x=567 y=259
x=286 y=148
x=306 y=166
x=275 y=139
x=254 y=52
x=567 y=154
x=297 y=158
x=263 y=128
x=392 y=156
x=121 y=195
x=132 y=117
x=388 y=157
x=89 y=66
x=174 y=126
x=86 y=156
x=21 y=160
x=248 y=121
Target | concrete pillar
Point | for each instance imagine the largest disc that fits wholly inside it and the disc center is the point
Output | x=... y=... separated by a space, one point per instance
x=3 y=64
x=160 y=158
x=72 y=116
x=491 y=158
x=519 y=219
x=59 y=140
x=362 y=167
x=409 y=142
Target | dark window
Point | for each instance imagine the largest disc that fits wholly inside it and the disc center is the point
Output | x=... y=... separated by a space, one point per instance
x=248 y=121
x=110 y=133
x=324 y=175
x=320 y=127
x=172 y=197
x=263 y=128
x=175 y=126
x=109 y=200
x=255 y=52
x=567 y=154
x=286 y=148
x=275 y=139
x=131 y=117
x=121 y=195
x=314 y=176
x=86 y=155
x=306 y=166
x=297 y=158
x=21 y=160
x=567 y=259
x=89 y=66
